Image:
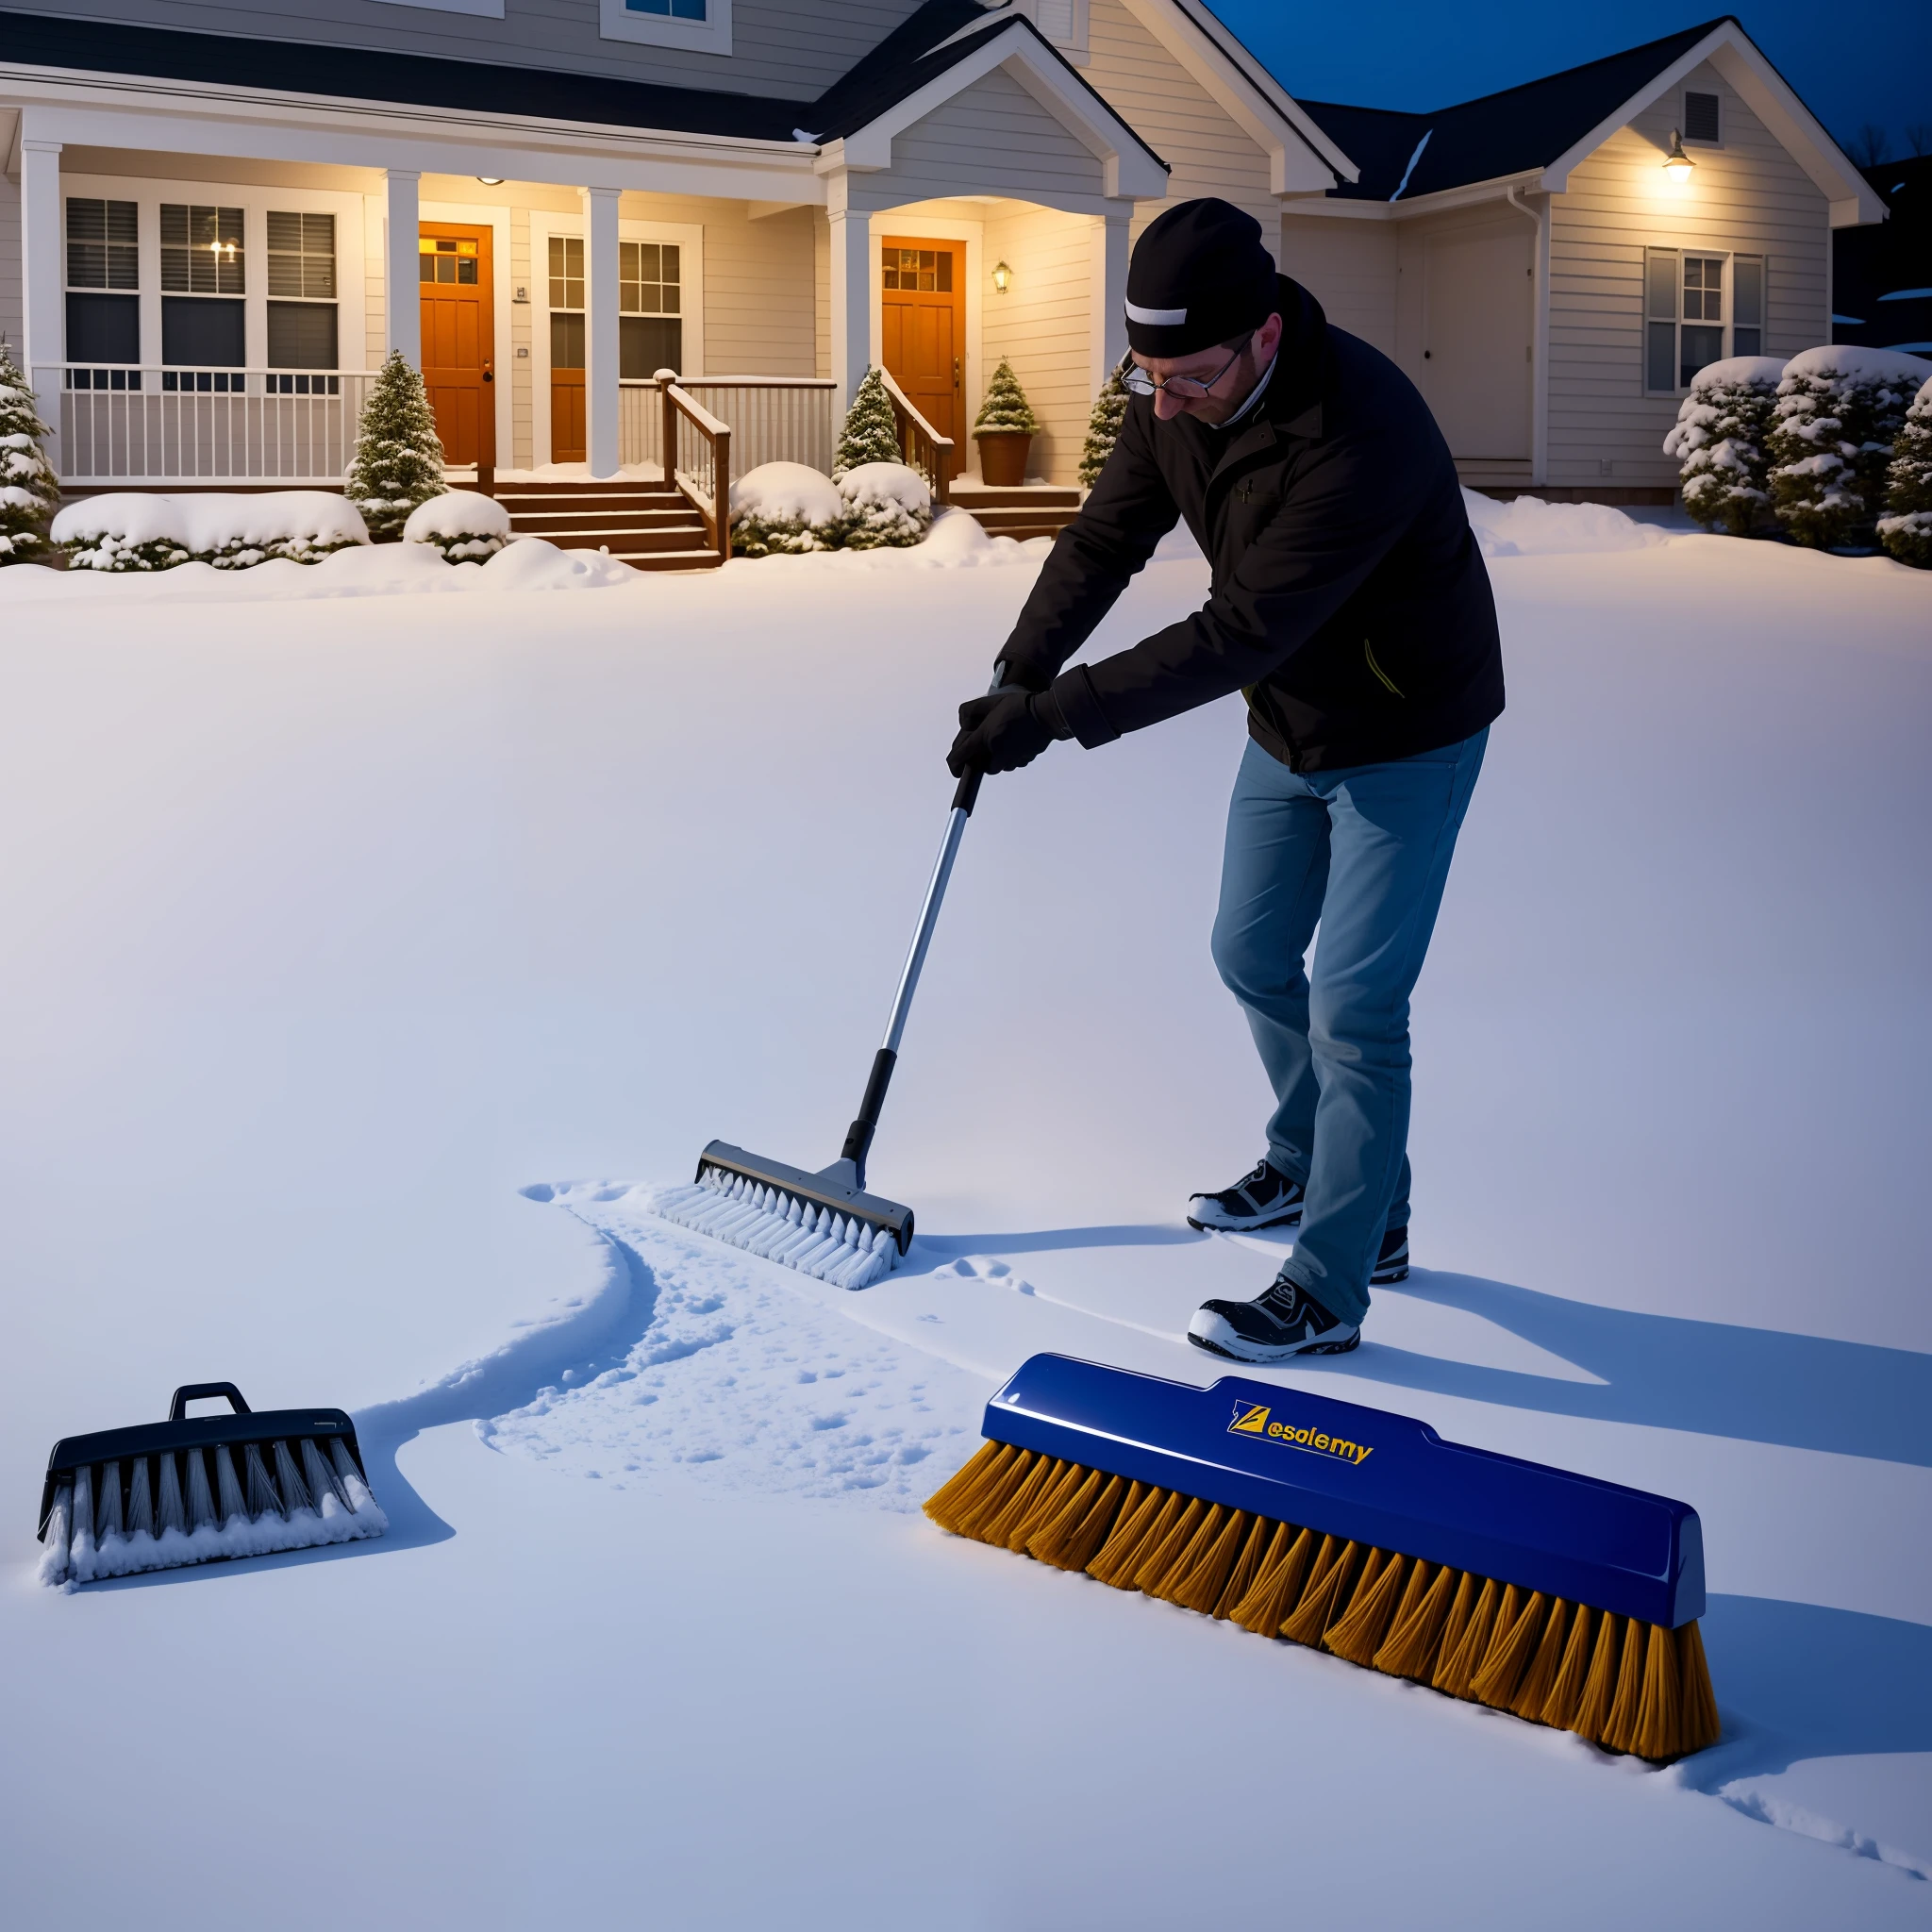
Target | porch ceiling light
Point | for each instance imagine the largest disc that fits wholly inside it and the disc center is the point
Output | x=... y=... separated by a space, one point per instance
x=1677 y=164
x=491 y=180
x=1002 y=277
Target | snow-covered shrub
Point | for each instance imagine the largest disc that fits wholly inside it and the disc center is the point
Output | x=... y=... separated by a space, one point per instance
x=1721 y=443
x=1906 y=528
x=398 y=461
x=1838 y=410
x=137 y=531
x=870 y=433
x=464 y=525
x=1103 y=424
x=884 y=505
x=1005 y=405
x=780 y=507
x=29 y=490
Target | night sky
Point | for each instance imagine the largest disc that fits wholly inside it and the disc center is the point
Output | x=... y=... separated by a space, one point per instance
x=1869 y=61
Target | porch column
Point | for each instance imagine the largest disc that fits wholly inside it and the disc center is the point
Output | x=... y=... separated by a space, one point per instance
x=851 y=299
x=1110 y=286
x=44 y=305
x=600 y=330
x=402 y=304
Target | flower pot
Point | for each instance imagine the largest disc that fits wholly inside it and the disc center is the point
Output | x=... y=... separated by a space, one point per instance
x=1003 y=454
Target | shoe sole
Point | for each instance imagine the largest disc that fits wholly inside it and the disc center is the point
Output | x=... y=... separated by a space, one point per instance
x=1279 y=1354
x=1287 y=1219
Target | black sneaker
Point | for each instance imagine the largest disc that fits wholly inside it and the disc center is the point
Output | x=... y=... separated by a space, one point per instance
x=1392 y=1264
x=1266 y=1198
x=1282 y=1322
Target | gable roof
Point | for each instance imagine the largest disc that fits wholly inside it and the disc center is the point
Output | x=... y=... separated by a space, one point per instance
x=1514 y=132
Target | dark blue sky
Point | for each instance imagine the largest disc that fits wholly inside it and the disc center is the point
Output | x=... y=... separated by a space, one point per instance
x=1870 y=61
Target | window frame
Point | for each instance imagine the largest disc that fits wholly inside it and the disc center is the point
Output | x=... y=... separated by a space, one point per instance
x=711 y=35
x=1654 y=253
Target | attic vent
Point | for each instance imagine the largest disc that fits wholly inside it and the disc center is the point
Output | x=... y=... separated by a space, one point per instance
x=1055 y=21
x=1701 y=118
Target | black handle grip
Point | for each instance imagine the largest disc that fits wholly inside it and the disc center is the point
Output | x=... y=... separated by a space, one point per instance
x=195 y=1392
x=859 y=1136
x=966 y=794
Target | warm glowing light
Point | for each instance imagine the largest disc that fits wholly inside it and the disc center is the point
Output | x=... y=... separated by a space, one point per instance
x=1001 y=276
x=491 y=180
x=1677 y=164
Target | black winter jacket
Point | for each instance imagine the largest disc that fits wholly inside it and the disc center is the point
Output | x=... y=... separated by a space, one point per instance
x=1349 y=602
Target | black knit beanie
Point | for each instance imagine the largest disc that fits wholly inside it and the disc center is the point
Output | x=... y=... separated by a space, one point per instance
x=1199 y=276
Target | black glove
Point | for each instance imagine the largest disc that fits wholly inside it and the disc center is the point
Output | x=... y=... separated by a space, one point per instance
x=1015 y=670
x=1003 y=731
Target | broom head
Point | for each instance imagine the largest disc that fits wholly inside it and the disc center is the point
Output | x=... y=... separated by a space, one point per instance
x=1564 y=1599
x=201 y=1489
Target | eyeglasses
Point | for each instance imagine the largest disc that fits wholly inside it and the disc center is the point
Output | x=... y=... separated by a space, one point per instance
x=1190 y=387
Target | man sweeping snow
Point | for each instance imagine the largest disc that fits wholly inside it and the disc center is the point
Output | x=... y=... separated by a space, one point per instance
x=1352 y=608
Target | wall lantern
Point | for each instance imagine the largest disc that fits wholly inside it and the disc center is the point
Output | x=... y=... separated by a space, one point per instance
x=491 y=180
x=1677 y=164
x=1002 y=277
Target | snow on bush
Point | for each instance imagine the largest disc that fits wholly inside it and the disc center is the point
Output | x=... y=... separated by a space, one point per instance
x=1103 y=424
x=780 y=507
x=886 y=506
x=1531 y=528
x=28 y=488
x=398 y=461
x=870 y=433
x=464 y=525
x=1838 y=412
x=1006 y=406
x=129 y=530
x=1721 y=441
x=1906 y=529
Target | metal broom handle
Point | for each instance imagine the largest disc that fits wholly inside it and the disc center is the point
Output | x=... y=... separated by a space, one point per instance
x=859 y=1136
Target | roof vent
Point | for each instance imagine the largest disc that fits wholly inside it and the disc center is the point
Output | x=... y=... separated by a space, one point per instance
x=1702 y=118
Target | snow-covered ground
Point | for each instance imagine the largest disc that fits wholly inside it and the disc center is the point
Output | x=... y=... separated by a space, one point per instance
x=366 y=968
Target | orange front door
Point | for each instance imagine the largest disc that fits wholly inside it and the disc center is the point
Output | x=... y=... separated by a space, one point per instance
x=922 y=324
x=458 y=339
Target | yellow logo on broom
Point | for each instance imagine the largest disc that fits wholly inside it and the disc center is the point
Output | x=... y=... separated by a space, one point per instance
x=1249 y=1419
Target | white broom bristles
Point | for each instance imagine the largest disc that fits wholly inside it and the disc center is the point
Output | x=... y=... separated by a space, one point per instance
x=309 y=1499
x=837 y=1248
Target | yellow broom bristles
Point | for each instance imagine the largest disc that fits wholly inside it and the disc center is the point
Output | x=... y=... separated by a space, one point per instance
x=1359 y=1635
x=1622 y=1683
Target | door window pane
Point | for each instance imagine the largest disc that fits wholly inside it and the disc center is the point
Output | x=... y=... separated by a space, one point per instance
x=302 y=255
x=448 y=259
x=927 y=268
x=201 y=250
x=646 y=343
x=567 y=275
x=101 y=251
x=300 y=335
x=566 y=342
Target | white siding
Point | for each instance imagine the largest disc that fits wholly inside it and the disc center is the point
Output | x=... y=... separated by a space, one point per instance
x=11 y=319
x=1748 y=197
x=781 y=47
x=1177 y=118
x=1042 y=326
x=822 y=292
x=1349 y=268
x=991 y=138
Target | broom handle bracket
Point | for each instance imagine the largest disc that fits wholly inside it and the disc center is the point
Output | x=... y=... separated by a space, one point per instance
x=858 y=1137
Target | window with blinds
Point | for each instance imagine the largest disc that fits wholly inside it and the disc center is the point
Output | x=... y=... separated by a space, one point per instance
x=301 y=256
x=201 y=250
x=101 y=244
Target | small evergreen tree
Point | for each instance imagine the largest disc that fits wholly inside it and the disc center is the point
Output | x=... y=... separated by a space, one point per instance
x=1104 y=426
x=1838 y=412
x=871 y=431
x=1721 y=439
x=1005 y=405
x=398 y=460
x=1906 y=529
x=29 y=490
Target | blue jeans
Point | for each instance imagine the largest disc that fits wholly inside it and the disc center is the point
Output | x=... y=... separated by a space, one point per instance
x=1365 y=849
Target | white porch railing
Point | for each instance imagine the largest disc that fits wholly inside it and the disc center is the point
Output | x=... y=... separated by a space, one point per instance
x=150 y=425
x=774 y=419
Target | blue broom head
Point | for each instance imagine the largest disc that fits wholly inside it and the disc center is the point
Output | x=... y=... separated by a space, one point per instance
x=1387 y=1480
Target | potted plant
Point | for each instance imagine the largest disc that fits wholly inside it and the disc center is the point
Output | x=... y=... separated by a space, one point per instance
x=1004 y=428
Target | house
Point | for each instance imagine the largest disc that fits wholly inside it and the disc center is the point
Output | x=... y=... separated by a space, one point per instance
x=208 y=211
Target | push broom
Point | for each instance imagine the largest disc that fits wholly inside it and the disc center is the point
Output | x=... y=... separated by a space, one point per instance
x=825 y=1224
x=201 y=1489
x=1566 y=1600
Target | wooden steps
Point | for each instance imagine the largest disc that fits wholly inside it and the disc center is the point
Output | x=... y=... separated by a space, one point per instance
x=1026 y=510
x=647 y=526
